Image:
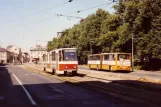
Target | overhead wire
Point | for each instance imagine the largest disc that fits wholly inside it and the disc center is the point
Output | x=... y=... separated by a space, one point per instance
x=69 y=17
x=105 y=4
x=39 y=11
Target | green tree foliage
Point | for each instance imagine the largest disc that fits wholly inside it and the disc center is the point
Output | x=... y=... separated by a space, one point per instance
x=105 y=32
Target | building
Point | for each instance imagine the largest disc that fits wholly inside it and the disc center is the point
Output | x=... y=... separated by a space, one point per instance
x=36 y=53
x=13 y=48
x=15 y=51
x=4 y=55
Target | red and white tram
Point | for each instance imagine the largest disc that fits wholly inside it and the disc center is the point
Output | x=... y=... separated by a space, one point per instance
x=61 y=61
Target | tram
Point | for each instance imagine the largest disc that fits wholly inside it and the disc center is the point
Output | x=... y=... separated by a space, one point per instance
x=110 y=61
x=61 y=61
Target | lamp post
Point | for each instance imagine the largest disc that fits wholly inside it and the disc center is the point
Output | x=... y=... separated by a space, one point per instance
x=132 y=52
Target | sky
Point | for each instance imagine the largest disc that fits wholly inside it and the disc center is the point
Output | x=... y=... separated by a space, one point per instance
x=25 y=23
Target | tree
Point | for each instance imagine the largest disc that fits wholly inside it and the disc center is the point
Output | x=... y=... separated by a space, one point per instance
x=105 y=32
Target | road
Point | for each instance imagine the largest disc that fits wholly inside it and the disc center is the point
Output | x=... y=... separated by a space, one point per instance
x=19 y=87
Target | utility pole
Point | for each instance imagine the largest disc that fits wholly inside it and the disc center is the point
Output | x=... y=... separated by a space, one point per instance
x=133 y=52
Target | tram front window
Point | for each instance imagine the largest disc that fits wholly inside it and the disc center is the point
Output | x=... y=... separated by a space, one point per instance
x=124 y=57
x=70 y=55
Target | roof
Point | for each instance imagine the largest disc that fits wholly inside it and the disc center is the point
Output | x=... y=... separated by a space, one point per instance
x=63 y=49
x=108 y=53
x=38 y=48
x=3 y=50
x=116 y=53
x=10 y=46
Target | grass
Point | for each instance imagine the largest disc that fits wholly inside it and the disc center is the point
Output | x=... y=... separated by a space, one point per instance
x=138 y=67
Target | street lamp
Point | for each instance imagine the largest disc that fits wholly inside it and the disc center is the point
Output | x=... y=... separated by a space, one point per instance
x=132 y=52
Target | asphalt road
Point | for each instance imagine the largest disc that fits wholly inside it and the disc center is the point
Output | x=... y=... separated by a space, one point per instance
x=22 y=88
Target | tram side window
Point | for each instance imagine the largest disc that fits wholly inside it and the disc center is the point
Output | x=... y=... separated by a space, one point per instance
x=44 y=57
x=123 y=56
x=97 y=57
x=109 y=57
x=60 y=56
x=106 y=57
x=50 y=57
x=53 y=56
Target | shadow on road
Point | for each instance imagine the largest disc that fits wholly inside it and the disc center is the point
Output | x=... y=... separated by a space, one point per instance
x=11 y=93
x=145 y=93
x=62 y=94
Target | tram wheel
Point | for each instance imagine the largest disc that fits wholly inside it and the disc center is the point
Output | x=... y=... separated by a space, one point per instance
x=74 y=73
x=65 y=73
x=44 y=69
x=53 y=72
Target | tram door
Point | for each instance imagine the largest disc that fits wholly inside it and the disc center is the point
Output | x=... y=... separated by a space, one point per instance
x=57 y=59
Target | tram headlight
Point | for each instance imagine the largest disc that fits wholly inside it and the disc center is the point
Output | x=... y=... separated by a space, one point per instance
x=75 y=67
x=66 y=67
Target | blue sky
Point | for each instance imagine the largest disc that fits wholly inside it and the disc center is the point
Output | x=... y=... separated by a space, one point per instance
x=20 y=29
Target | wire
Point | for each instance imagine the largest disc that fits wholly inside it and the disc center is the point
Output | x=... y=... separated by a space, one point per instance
x=68 y=17
x=39 y=11
x=95 y=7
x=107 y=5
x=45 y=9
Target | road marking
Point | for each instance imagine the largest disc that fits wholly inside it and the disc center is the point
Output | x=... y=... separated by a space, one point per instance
x=27 y=93
x=30 y=74
x=55 y=89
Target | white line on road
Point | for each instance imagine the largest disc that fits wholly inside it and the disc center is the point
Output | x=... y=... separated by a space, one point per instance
x=27 y=93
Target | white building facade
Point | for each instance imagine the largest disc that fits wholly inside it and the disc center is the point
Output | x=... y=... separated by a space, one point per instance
x=15 y=52
x=37 y=52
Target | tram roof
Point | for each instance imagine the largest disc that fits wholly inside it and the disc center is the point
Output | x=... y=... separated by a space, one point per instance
x=110 y=53
x=117 y=53
x=62 y=49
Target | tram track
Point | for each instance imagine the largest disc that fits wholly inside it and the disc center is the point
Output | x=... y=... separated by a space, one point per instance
x=109 y=87
x=133 y=83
